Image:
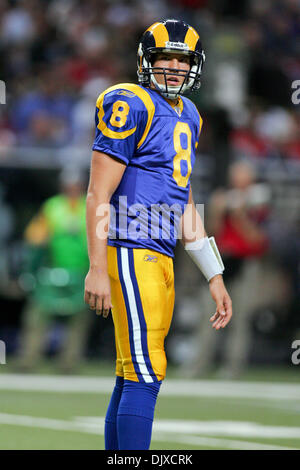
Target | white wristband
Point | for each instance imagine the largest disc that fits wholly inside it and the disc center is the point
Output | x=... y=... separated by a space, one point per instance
x=206 y=256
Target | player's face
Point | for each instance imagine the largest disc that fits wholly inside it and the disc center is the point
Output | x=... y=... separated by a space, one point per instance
x=171 y=61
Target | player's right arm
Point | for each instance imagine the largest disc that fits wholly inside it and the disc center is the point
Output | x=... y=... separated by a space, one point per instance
x=105 y=176
x=120 y=119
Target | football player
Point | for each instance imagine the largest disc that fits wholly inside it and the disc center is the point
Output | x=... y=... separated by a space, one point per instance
x=143 y=155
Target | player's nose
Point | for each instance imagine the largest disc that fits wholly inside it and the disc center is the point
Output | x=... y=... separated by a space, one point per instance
x=174 y=63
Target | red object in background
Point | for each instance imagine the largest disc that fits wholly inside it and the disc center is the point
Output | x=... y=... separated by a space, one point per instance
x=77 y=71
x=231 y=242
x=193 y=3
x=292 y=150
x=247 y=143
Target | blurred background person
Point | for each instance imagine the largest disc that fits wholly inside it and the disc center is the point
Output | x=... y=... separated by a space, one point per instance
x=57 y=261
x=6 y=228
x=237 y=216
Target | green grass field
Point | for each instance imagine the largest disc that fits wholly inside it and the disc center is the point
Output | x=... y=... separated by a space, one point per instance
x=47 y=411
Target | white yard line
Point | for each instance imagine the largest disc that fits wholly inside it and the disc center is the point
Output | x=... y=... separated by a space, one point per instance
x=198 y=441
x=212 y=428
x=44 y=423
x=229 y=428
x=163 y=430
x=191 y=388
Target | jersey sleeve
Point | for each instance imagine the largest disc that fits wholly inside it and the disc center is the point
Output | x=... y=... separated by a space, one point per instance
x=121 y=118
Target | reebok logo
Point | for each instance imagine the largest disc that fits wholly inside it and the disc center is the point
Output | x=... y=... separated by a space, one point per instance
x=150 y=258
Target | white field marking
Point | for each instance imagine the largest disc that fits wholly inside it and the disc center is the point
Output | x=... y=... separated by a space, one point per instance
x=198 y=441
x=48 y=423
x=171 y=387
x=214 y=428
x=91 y=425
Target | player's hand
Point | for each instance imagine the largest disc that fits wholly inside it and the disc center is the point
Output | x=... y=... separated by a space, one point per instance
x=97 y=291
x=223 y=301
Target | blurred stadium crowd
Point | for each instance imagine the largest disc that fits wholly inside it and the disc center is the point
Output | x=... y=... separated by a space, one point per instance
x=56 y=56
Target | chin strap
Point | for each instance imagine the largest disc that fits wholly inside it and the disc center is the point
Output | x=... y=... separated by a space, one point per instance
x=173 y=92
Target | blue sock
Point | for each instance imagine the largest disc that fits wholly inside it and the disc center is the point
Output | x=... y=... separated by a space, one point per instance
x=110 y=431
x=135 y=415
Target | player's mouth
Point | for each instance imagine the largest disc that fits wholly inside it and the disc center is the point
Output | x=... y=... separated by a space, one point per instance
x=173 y=81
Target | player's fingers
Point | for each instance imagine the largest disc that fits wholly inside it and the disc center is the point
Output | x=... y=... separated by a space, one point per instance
x=225 y=321
x=86 y=297
x=92 y=301
x=99 y=305
x=109 y=311
x=106 y=302
x=106 y=313
x=221 y=308
x=217 y=323
x=213 y=317
x=99 y=301
x=220 y=311
x=106 y=306
x=228 y=307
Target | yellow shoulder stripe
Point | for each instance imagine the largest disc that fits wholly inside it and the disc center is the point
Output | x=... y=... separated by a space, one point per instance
x=143 y=95
x=200 y=125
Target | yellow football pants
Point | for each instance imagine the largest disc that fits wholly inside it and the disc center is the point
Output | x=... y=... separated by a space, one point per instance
x=142 y=290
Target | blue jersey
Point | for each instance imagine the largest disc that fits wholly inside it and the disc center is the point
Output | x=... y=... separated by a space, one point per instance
x=157 y=142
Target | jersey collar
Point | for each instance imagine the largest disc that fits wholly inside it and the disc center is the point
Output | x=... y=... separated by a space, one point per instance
x=176 y=105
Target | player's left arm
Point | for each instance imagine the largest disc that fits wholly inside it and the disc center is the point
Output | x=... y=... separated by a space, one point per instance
x=205 y=254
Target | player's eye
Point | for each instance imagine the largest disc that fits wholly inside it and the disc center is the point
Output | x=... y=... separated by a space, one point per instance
x=185 y=60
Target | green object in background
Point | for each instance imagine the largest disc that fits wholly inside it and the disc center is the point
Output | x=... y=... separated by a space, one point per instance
x=59 y=291
x=67 y=240
x=54 y=272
